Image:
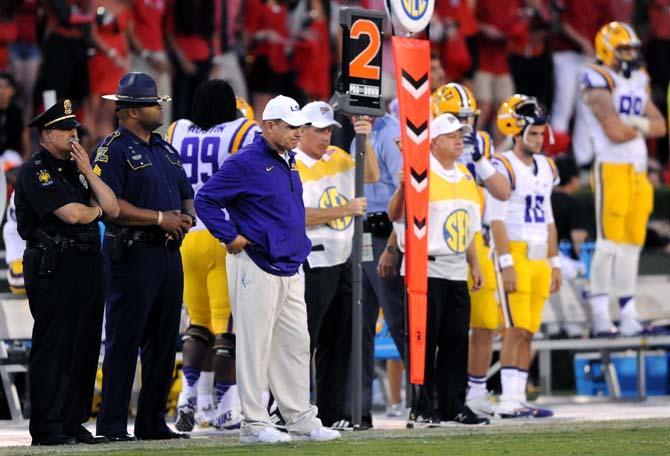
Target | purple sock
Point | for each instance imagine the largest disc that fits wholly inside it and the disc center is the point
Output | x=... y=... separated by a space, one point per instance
x=191 y=374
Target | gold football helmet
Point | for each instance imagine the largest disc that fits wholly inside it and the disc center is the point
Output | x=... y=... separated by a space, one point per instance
x=454 y=99
x=617 y=46
x=517 y=113
x=244 y=108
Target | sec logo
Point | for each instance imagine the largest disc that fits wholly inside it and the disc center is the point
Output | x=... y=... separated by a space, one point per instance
x=333 y=198
x=456 y=230
x=412 y=15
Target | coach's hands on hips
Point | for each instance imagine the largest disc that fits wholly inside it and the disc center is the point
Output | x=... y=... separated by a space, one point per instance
x=509 y=279
x=238 y=244
x=556 y=279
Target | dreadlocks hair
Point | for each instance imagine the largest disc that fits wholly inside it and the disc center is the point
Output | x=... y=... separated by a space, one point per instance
x=213 y=103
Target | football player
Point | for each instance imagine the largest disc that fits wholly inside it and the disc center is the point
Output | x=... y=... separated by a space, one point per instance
x=618 y=115
x=214 y=133
x=458 y=100
x=526 y=250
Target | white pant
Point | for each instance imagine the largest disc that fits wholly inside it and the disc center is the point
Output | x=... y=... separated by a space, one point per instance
x=272 y=348
x=567 y=68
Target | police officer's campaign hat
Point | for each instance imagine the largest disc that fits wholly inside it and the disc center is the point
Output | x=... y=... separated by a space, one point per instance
x=58 y=117
x=137 y=89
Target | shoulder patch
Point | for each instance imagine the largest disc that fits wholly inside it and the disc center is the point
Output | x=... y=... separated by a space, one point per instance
x=44 y=178
x=101 y=155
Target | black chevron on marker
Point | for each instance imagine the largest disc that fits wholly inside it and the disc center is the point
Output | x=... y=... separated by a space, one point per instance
x=415 y=83
x=417 y=130
x=420 y=223
x=418 y=177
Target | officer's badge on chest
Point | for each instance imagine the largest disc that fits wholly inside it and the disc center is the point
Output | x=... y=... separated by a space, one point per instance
x=44 y=177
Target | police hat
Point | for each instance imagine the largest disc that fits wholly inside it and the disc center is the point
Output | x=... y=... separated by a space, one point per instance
x=137 y=88
x=58 y=117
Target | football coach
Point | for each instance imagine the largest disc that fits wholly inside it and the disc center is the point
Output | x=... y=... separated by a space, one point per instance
x=263 y=227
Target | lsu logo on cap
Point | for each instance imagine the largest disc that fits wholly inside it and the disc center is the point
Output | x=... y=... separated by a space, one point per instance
x=331 y=197
x=457 y=230
x=413 y=15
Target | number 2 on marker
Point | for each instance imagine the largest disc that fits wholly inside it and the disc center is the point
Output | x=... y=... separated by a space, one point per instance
x=360 y=66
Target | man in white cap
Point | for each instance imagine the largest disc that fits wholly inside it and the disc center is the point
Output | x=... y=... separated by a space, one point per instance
x=328 y=173
x=253 y=204
x=453 y=218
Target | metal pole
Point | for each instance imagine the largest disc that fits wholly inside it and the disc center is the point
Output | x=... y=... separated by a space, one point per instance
x=357 y=292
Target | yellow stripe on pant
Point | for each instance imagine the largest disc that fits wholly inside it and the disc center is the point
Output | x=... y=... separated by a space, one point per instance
x=624 y=202
x=523 y=308
x=484 y=313
x=205 y=282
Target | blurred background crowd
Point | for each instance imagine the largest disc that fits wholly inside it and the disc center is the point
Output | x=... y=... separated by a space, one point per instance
x=81 y=48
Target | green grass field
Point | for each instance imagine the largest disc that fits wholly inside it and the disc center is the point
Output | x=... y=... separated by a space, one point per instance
x=643 y=437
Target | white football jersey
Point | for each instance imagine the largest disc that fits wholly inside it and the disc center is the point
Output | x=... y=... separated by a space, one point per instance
x=204 y=151
x=328 y=182
x=528 y=211
x=630 y=97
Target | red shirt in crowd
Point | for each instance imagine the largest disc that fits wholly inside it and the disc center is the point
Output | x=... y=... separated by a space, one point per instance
x=586 y=17
x=505 y=16
x=149 y=16
x=460 y=12
x=104 y=72
x=262 y=16
x=659 y=19
x=8 y=34
x=195 y=46
x=26 y=20
x=312 y=61
x=68 y=17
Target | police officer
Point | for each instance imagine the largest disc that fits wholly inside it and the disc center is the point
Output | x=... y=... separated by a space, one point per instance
x=59 y=201
x=141 y=250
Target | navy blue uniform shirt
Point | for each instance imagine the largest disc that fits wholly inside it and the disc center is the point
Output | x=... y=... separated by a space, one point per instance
x=262 y=195
x=147 y=175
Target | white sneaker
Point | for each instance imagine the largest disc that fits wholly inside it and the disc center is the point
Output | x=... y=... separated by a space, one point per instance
x=481 y=406
x=230 y=419
x=603 y=328
x=512 y=409
x=320 y=434
x=396 y=410
x=630 y=326
x=205 y=416
x=266 y=435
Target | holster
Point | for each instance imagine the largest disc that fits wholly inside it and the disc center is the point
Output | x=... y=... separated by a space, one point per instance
x=51 y=253
x=120 y=245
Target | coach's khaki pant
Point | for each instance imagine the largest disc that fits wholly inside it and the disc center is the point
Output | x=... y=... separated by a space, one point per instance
x=272 y=348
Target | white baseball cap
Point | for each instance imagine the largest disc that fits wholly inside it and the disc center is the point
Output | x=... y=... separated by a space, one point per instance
x=286 y=109
x=320 y=114
x=445 y=124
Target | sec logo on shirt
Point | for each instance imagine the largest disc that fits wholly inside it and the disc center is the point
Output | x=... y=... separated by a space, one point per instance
x=457 y=230
x=331 y=197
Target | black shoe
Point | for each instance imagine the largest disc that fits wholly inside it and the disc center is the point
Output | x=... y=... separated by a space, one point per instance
x=56 y=440
x=82 y=435
x=114 y=438
x=275 y=415
x=468 y=417
x=366 y=423
x=165 y=435
x=417 y=421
